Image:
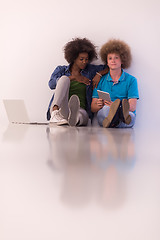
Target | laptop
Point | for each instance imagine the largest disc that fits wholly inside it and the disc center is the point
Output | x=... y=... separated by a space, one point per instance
x=17 y=113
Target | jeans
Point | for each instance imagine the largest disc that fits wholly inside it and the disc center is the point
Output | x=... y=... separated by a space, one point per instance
x=103 y=113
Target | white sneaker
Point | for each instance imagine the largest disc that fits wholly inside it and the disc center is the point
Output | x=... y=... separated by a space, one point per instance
x=74 y=106
x=56 y=117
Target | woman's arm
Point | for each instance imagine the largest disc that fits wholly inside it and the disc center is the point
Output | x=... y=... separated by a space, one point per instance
x=58 y=72
x=98 y=76
x=96 y=104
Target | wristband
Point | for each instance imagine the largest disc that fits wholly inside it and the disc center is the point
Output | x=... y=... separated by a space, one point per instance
x=99 y=74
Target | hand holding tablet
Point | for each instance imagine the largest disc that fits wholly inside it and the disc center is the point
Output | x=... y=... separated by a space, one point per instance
x=104 y=95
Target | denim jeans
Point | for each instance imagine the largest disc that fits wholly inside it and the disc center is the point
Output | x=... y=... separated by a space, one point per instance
x=103 y=113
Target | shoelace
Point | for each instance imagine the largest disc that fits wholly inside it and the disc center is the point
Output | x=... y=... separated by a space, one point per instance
x=58 y=116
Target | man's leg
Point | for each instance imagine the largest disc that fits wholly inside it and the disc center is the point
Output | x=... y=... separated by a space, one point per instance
x=131 y=124
x=109 y=116
x=102 y=114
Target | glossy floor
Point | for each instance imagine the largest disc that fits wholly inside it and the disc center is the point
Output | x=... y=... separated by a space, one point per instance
x=79 y=183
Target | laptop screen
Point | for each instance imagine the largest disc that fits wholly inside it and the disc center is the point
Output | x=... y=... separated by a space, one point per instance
x=16 y=111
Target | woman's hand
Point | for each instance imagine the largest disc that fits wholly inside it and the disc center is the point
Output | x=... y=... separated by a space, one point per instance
x=80 y=78
x=83 y=79
x=86 y=80
x=96 y=80
x=98 y=76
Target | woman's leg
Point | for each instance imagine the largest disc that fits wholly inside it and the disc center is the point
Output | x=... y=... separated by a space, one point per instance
x=82 y=117
x=61 y=96
x=77 y=115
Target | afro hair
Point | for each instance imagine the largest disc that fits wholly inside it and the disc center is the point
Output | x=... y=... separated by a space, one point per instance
x=118 y=47
x=79 y=45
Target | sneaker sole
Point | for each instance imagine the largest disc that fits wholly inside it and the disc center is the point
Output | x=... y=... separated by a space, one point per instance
x=62 y=123
x=113 y=109
x=74 y=105
x=125 y=109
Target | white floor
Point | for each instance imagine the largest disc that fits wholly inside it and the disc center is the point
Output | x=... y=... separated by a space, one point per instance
x=85 y=183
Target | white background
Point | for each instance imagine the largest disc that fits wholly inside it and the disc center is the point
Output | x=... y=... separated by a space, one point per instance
x=33 y=33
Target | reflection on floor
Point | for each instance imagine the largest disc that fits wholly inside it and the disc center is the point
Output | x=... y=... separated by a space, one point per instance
x=85 y=183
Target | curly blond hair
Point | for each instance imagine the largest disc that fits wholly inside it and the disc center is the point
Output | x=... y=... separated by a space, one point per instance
x=118 y=47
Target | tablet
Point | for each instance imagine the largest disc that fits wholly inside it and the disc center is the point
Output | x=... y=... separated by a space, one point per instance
x=104 y=95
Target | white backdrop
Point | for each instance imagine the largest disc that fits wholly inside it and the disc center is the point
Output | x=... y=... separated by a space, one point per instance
x=33 y=33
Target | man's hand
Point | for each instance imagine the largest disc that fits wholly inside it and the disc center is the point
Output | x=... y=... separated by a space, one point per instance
x=96 y=104
x=100 y=103
x=107 y=103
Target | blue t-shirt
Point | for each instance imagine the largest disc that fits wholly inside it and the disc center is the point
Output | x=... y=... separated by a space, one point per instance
x=126 y=87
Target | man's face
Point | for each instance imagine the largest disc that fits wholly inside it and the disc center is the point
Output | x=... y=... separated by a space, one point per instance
x=114 y=61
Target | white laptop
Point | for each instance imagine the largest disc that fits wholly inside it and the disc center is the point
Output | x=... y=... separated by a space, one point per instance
x=17 y=112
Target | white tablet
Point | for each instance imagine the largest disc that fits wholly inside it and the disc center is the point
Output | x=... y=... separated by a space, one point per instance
x=104 y=95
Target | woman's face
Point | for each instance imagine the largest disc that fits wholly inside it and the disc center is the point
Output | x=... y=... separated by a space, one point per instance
x=81 y=61
x=114 y=61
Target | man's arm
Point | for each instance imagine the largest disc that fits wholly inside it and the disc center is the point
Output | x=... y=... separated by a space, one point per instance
x=132 y=104
x=96 y=104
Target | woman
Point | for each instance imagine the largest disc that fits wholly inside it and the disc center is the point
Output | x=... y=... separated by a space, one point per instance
x=71 y=102
x=122 y=87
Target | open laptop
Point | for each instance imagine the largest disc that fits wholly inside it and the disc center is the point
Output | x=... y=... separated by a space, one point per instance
x=17 y=113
